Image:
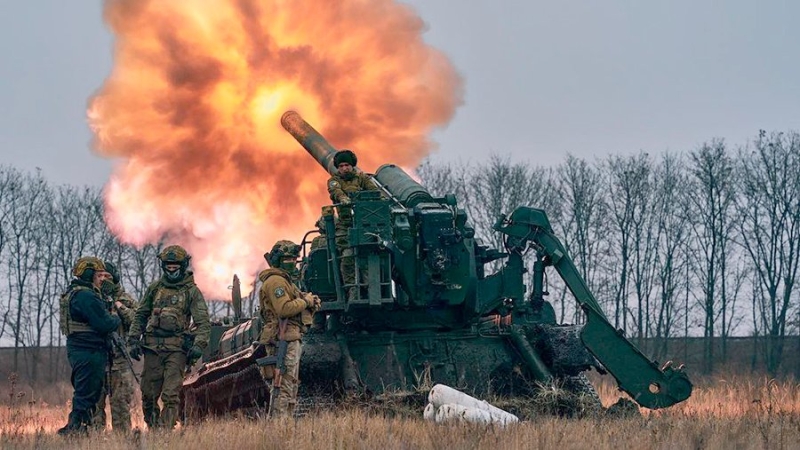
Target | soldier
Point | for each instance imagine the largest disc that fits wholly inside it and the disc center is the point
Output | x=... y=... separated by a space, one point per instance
x=120 y=381
x=286 y=313
x=164 y=316
x=87 y=324
x=347 y=181
x=319 y=241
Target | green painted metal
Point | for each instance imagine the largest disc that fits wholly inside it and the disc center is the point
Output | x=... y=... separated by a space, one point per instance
x=432 y=305
x=641 y=378
x=425 y=293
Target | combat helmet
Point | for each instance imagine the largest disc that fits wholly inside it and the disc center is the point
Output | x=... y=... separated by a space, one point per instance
x=280 y=254
x=86 y=266
x=112 y=270
x=174 y=254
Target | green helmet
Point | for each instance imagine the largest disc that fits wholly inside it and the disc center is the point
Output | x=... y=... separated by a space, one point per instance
x=174 y=254
x=283 y=249
x=86 y=266
x=111 y=268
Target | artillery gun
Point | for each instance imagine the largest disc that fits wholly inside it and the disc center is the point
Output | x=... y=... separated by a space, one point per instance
x=427 y=310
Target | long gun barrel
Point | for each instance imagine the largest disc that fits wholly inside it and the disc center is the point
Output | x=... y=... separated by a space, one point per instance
x=310 y=139
x=393 y=179
x=402 y=187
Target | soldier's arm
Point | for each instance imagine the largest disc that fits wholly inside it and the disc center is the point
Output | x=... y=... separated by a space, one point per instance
x=87 y=306
x=126 y=308
x=142 y=313
x=285 y=306
x=367 y=184
x=263 y=298
x=199 y=311
x=336 y=192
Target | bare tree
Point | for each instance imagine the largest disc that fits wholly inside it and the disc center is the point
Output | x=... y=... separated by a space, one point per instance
x=632 y=232
x=10 y=186
x=444 y=178
x=140 y=267
x=582 y=224
x=24 y=257
x=42 y=290
x=711 y=202
x=770 y=207
x=488 y=190
x=671 y=258
x=500 y=186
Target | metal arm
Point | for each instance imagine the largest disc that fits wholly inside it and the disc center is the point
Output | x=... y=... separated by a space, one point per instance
x=636 y=374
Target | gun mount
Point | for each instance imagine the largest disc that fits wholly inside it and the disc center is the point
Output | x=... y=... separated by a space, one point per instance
x=427 y=309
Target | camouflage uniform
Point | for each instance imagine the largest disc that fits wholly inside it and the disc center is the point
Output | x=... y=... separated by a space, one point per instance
x=164 y=316
x=121 y=378
x=280 y=299
x=340 y=189
x=319 y=241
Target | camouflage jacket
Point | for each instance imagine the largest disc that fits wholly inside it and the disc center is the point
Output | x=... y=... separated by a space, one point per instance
x=168 y=312
x=340 y=189
x=126 y=313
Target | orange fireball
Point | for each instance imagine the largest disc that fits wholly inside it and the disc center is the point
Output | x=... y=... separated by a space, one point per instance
x=192 y=112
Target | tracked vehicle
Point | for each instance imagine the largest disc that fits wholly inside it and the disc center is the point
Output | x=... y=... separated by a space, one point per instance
x=430 y=304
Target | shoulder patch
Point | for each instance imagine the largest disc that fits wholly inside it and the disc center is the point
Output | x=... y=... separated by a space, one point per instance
x=333 y=184
x=279 y=292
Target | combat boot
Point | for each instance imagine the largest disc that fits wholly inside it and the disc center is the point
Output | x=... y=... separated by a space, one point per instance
x=74 y=427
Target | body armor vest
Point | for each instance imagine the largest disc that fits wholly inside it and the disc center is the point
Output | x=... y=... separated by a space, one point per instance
x=170 y=306
x=67 y=324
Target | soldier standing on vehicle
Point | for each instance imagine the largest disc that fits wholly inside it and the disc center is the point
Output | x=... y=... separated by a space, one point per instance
x=87 y=325
x=119 y=386
x=286 y=312
x=168 y=308
x=340 y=186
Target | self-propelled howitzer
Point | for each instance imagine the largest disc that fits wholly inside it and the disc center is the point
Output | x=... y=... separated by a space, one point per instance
x=430 y=304
x=427 y=285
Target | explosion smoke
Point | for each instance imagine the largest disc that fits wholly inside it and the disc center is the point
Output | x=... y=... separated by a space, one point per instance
x=191 y=110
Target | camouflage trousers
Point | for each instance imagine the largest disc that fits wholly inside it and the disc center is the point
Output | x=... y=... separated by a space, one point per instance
x=120 y=395
x=162 y=377
x=346 y=256
x=290 y=379
x=348 y=261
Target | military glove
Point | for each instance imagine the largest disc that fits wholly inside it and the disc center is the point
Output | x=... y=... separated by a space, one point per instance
x=135 y=348
x=193 y=355
x=344 y=200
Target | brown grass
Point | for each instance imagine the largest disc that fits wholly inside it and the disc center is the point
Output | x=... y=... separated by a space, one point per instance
x=732 y=412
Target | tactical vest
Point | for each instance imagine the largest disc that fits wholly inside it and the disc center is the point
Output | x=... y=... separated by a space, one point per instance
x=170 y=306
x=67 y=324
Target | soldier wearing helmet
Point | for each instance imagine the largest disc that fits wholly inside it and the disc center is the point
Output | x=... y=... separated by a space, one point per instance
x=171 y=328
x=87 y=325
x=286 y=313
x=119 y=383
x=340 y=186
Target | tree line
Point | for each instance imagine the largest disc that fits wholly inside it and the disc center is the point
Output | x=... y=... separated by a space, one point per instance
x=703 y=243
x=44 y=229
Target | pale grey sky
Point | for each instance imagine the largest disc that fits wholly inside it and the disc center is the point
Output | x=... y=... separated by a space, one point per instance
x=542 y=78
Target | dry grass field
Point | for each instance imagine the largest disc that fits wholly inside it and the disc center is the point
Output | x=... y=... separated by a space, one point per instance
x=723 y=413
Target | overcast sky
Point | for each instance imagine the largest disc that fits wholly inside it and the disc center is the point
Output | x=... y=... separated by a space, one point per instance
x=542 y=78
